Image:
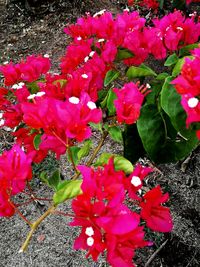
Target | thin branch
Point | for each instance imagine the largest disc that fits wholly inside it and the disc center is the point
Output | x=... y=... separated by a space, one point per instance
x=94 y=154
x=34 y=226
x=155 y=253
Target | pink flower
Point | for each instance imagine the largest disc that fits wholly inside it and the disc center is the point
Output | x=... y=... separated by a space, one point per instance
x=6 y=208
x=15 y=170
x=157 y=217
x=128 y=103
x=11 y=73
x=135 y=180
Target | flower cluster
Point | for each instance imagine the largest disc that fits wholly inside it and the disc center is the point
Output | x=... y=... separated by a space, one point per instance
x=15 y=170
x=187 y=84
x=107 y=223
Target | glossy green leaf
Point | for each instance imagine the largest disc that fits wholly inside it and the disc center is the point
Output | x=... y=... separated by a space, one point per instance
x=177 y=68
x=74 y=154
x=162 y=76
x=37 y=141
x=171 y=104
x=115 y=133
x=85 y=149
x=133 y=147
x=96 y=126
x=124 y=53
x=68 y=190
x=151 y=130
x=161 y=3
x=186 y=50
x=137 y=72
x=62 y=82
x=171 y=60
x=54 y=179
x=120 y=162
x=111 y=75
x=110 y=102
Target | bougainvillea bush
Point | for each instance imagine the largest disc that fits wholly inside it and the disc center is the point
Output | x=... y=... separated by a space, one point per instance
x=103 y=85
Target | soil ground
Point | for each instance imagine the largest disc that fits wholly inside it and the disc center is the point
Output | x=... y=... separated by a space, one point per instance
x=24 y=32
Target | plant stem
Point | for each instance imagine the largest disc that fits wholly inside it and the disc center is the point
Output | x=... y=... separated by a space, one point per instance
x=72 y=160
x=34 y=226
x=93 y=156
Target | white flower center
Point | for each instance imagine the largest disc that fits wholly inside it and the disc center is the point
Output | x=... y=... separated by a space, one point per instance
x=193 y=102
x=18 y=86
x=99 y=13
x=90 y=241
x=2 y=122
x=86 y=59
x=101 y=40
x=74 y=100
x=91 y=105
x=46 y=55
x=84 y=76
x=79 y=38
x=136 y=181
x=39 y=94
x=91 y=54
x=89 y=231
x=179 y=28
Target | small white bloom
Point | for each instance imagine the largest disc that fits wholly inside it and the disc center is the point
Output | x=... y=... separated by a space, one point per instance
x=91 y=54
x=193 y=102
x=5 y=62
x=167 y=29
x=99 y=13
x=179 y=28
x=40 y=94
x=2 y=122
x=84 y=76
x=18 y=86
x=91 y=105
x=74 y=100
x=148 y=85
x=79 y=38
x=89 y=231
x=86 y=59
x=136 y=181
x=126 y=9
x=1 y=115
x=101 y=40
x=90 y=241
x=31 y=96
x=46 y=56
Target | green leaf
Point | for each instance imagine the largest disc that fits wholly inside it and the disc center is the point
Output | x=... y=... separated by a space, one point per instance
x=54 y=179
x=37 y=141
x=171 y=60
x=85 y=149
x=115 y=133
x=110 y=102
x=44 y=177
x=62 y=82
x=151 y=130
x=111 y=75
x=162 y=76
x=120 y=162
x=33 y=87
x=161 y=3
x=123 y=53
x=74 y=154
x=96 y=126
x=171 y=104
x=177 y=68
x=133 y=147
x=69 y=190
x=186 y=50
x=137 y=72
